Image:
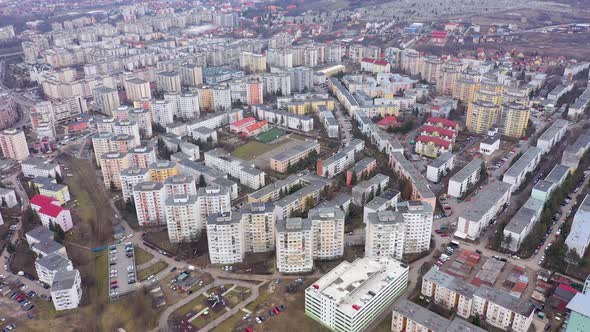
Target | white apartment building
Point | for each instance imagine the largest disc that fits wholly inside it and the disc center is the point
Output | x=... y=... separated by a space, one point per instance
x=33 y=167
x=418 y=218
x=180 y=185
x=366 y=190
x=191 y=75
x=579 y=235
x=465 y=178
x=340 y=161
x=48 y=266
x=449 y=292
x=226 y=238
x=516 y=174
x=213 y=199
x=483 y=208
x=327 y=226
x=106 y=99
x=351 y=296
x=502 y=310
x=240 y=169
x=188 y=106
x=143 y=117
x=141 y=156
x=214 y=120
x=163 y=112
x=440 y=167
x=411 y=317
x=182 y=218
x=293 y=121
x=385 y=234
x=128 y=127
x=150 y=198
x=329 y=122
x=294 y=245
x=66 y=290
x=168 y=81
x=277 y=84
x=14 y=144
x=259 y=221
x=129 y=178
x=137 y=89
x=111 y=165
x=221 y=98
x=552 y=135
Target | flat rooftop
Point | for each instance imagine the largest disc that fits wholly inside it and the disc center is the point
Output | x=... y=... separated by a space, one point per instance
x=523 y=162
x=420 y=315
x=442 y=160
x=449 y=282
x=505 y=300
x=472 y=167
x=485 y=199
x=357 y=282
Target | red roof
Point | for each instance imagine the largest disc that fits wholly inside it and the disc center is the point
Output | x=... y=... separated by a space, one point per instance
x=519 y=287
x=256 y=126
x=42 y=200
x=438 y=34
x=51 y=210
x=443 y=121
x=387 y=120
x=244 y=121
x=436 y=140
x=568 y=289
x=376 y=61
x=440 y=131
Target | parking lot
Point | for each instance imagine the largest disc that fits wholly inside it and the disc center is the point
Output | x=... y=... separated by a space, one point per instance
x=122 y=271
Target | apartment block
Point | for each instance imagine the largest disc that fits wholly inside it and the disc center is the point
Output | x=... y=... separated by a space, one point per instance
x=130 y=177
x=162 y=170
x=180 y=185
x=410 y=317
x=467 y=177
x=502 y=310
x=141 y=156
x=366 y=190
x=327 y=225
x=226 y=238
x=385 y=234
x=149 y=198
x=111 y=165
x=239 y=169
x=418 y=218
x=340 y=161
x=14 y=144
x=281 y=161
x=66 y=290
x=352 y=295
x=259 y=221
x=449 y=292
x=294 y=245
x=183 y=221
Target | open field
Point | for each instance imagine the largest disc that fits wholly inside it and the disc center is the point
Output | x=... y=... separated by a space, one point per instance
x=201 y=305
x=142 y=256
x=152 y=269
x=270 y=135
x=254 y=149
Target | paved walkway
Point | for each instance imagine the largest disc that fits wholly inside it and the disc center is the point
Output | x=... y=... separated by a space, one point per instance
x=165 y=316
x=147 y=264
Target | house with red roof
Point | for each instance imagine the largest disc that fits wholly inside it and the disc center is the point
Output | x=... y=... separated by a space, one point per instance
x=239 y=126
x=375 y=66
x=50 y=212
x=256 y=128
x=438 y=37
x=432 y=146
x=443 y=123
x=441 y=132
x=388 y=121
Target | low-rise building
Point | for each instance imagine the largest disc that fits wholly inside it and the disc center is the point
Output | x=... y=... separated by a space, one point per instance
x=237 y=168
x=340 y=161
x=33 y=167
x=408 y=316
x=282 y=161
x=440 y=167
x=448 y=292
x=502 y=310
x=361 y=170
x=522 y=223
x=552 y=135
x=300 y=200
x=574 y=152
x=8 y=197
x=579 y=235
x=289 y=120
x=294 y=245
x=275 y=190
x=579 y=317
x=225 y=236
x=66 y=290
x=51 y=213
x=489 y=144
x=465 y=178
x=329 y=122
x=516 y=174
x=352 y=295
x=366 y=190
x=483 y=208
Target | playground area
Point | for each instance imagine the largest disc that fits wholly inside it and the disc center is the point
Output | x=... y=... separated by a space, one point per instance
x=207 y=307
x=270 y=135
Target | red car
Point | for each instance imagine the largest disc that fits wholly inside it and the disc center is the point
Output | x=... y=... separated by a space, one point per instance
x=248 y=329
x=276 y=311
x=444 y=235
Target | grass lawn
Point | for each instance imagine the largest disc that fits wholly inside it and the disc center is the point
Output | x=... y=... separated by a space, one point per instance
x=195 y=305
x=253 y=149
x=142 y=256
x=153 y=269
x=200 y=303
